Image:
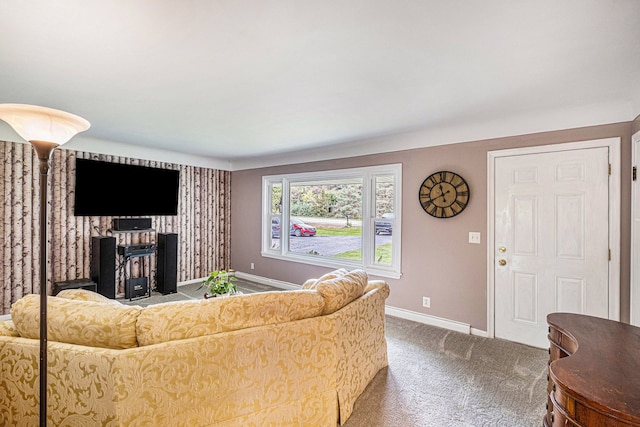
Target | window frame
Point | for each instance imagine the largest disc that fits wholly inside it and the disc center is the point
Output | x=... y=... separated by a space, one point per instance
x=368 y=175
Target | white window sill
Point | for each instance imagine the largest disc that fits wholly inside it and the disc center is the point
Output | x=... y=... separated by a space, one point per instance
x=334 y=263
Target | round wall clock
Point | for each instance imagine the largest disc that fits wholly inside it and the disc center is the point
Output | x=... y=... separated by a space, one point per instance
x=444 y=194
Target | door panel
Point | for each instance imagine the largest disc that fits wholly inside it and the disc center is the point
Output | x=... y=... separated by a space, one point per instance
x=570 y=294
x=570 y=232
x=525 y=294
x=552 y=237
x=525 y=239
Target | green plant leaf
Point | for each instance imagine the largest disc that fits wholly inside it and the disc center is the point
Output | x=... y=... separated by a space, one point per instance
x=220 y=282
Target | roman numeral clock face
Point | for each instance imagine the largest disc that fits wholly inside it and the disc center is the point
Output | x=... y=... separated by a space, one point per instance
x=444 y=194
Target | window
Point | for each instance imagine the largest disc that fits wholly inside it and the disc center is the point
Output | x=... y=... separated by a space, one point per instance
x=342 y=218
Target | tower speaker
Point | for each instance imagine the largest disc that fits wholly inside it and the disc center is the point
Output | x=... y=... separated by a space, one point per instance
x=167 y=263
x=103 y=264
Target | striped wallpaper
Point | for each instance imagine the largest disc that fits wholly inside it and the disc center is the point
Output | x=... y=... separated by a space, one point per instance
x=202 y=223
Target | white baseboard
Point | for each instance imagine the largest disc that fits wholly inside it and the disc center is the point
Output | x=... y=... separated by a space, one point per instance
x=265 y=281
x=428 y=320
x=479 y=333
x=391 y=311
x=188 y=282
x=439 y=322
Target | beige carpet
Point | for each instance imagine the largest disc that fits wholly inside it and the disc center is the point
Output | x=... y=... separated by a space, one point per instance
x=439 y=378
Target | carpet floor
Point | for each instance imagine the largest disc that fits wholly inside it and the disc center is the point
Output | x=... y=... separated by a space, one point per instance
x=437 y=377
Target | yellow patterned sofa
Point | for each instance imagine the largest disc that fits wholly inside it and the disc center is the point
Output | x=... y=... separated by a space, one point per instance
x=285 y=358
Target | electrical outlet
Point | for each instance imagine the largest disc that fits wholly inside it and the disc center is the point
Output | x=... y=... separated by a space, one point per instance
x=426 y=302
x=252 y=266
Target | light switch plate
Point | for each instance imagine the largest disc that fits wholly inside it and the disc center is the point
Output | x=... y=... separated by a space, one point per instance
x=474 y=237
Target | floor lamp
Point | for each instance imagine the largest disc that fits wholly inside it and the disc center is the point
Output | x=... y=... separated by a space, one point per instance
x=45 y=129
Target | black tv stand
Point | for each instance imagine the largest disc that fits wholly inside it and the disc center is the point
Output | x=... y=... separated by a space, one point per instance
x=135 y=287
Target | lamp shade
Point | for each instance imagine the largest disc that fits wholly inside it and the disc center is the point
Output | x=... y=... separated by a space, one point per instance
x=35 y=123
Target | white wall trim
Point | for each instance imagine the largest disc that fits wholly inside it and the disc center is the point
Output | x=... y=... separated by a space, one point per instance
x=613 y=144
x=266 y=281
x=428 y=320
x=189 y=282
x=634 y=297
x=479 y=333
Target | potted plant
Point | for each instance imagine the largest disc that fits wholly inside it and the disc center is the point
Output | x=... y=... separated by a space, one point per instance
x=219 y=283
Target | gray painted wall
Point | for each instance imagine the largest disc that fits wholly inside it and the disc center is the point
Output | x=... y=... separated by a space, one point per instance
x=437 y=260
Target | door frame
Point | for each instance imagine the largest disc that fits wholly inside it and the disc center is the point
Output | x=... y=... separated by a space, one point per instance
x=614 y=217
x=634 y=288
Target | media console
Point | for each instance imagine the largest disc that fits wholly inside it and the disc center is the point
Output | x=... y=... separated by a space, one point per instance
x=141 y=286
x=136 y=287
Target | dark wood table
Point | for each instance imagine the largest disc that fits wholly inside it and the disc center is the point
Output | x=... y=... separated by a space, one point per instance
x=594 y=372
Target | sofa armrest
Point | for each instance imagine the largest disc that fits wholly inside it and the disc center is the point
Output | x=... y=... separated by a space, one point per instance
x=377 y=284
x=361 y=345
x=80 y=384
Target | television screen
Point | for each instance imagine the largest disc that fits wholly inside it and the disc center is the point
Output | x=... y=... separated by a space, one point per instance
x=115 y=189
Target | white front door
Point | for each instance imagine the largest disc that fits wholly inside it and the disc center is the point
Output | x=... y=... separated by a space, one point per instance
x=635 y=234
x=551 y=243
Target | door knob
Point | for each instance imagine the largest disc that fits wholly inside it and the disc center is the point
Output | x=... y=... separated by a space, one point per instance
x=502 y=262
x=502 y=249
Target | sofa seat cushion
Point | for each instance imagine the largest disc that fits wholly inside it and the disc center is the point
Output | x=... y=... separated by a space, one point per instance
x=88 y=323
x=188 y=319
x=339 y=289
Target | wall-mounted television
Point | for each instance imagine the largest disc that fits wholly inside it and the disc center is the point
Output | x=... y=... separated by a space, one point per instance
x=116 y=189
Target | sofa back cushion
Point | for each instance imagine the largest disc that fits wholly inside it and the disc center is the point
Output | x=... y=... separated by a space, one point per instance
x=311 y=283
x=188 y=319
x=85 y=295
x=89 y=323
x=8 y=329
x=339 y=288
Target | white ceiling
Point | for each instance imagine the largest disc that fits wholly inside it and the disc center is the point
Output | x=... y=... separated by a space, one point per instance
x=244 y=81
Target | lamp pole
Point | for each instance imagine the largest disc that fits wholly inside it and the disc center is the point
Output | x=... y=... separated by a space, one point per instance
x=45 y=128
x=44 y=150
